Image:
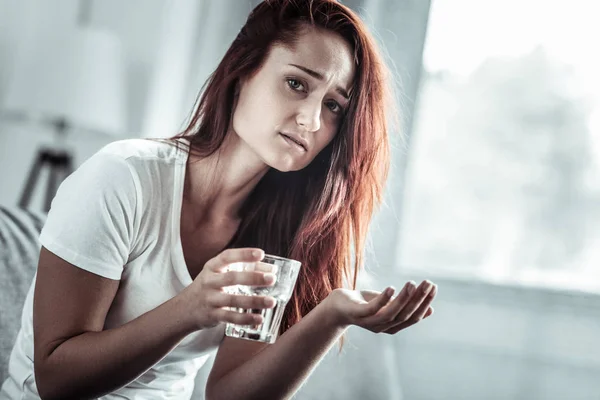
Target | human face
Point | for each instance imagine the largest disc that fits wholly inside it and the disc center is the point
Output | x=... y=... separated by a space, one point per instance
x=292 y=107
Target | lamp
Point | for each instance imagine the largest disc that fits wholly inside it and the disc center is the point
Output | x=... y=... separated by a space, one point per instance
x=73 y=82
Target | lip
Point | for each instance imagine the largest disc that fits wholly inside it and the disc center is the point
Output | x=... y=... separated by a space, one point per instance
x=296 y=139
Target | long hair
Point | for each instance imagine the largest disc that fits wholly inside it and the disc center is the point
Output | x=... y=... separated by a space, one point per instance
x=320 y=214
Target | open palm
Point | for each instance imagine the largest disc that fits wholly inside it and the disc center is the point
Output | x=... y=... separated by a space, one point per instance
x=380 y=311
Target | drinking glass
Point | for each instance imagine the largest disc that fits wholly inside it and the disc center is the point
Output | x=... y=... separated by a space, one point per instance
x=286 y=273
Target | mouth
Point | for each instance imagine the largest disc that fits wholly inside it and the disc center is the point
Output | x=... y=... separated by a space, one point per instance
x=294 y=142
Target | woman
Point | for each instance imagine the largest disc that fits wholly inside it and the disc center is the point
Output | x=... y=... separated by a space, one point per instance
x=286 y=153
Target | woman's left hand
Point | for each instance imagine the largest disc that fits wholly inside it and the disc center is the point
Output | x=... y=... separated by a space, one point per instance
x=380 y=311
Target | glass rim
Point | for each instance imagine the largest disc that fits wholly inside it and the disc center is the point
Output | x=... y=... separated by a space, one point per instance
x=294 y=262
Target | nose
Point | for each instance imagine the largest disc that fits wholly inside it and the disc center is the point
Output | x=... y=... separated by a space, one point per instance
x=309 y=116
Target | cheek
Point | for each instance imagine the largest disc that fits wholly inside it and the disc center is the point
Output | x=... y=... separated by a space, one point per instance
x=245 y=109
x=327 y=134
x=245 y=121
x=256 y=109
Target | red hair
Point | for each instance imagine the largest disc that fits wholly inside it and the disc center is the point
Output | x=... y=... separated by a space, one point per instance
x=320 y=214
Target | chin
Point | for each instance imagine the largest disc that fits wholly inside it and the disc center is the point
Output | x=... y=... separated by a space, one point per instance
x=281 y=158
x=281 y=167
x=285 y=163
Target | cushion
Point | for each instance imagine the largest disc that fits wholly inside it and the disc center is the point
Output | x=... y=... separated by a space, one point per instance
x=19 y=253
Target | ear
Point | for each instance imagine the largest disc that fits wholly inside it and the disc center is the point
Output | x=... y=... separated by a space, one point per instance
x=238 y=85
x=236 y=96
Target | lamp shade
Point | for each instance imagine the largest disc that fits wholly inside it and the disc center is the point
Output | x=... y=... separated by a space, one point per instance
x=77 y=76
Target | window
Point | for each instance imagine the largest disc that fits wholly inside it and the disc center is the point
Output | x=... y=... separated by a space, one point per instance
x=503 y=177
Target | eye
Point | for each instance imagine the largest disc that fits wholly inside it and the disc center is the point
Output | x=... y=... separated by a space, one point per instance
x=296 y=85
x=334 y=107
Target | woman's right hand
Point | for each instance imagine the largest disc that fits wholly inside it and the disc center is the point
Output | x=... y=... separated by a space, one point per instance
x=208 y=303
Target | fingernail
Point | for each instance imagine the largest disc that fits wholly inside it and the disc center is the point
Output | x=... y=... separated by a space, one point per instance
x=411 y=288
x=269 y=302
x=269 y=278
x=390 y=291
x=257 y=253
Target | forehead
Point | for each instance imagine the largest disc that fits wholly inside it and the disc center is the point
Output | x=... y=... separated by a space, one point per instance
x=320 y=50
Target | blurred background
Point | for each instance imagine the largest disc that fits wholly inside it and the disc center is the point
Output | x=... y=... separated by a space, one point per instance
x=494 y=192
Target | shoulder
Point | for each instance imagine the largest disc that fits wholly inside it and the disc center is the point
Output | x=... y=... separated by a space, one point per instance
x=148 y=160
x=140 y=149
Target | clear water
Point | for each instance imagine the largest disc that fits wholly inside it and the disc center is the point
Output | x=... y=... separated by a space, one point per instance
x=264 y=332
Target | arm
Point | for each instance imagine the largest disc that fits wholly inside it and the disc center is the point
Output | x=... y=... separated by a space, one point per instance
x=247 y=370
x=74 y=358
x=268 y=372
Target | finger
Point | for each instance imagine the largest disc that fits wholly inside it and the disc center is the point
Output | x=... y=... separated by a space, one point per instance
x=250 y=266
x=426 y=304
x=265 y=267
x=369 y=295
x=222 y=299
x=421 y=313
x=230 y=256
x=378 y=302
x=389 y=312
x=415 y=301
x=248 y=278
x=234 y=317
x=429 y=312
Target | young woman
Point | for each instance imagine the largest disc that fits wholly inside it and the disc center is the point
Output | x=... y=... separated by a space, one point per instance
x=286 y=153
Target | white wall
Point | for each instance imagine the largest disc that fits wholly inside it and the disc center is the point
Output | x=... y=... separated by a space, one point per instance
x=22 y=23
x=484 y=341
x=501 y=342
x=138 y=24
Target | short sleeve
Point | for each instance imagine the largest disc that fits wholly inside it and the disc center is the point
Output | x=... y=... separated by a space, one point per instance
x=91 y=221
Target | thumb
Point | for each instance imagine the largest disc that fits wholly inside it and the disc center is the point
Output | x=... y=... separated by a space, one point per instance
x=375 y=304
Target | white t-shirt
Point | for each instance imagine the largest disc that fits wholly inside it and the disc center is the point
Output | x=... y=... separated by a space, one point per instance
x=118 y=216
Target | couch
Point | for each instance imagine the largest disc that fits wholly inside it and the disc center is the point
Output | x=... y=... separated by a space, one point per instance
x=366 y=369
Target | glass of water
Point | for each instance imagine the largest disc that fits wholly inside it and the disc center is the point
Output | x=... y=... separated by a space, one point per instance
x=286 y=273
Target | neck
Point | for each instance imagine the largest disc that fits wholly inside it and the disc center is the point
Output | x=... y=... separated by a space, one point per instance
x=217 y=186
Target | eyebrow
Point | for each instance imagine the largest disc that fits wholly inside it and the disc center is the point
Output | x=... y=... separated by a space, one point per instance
x=319 y=76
